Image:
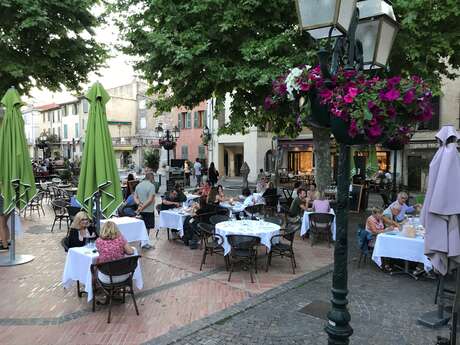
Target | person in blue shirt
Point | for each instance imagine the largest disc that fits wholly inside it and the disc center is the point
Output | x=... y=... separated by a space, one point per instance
x=398 y=209
x=74 y=202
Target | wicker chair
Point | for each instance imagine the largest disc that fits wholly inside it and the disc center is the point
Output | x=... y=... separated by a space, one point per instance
x=320 y=226
x=280 y=248
x=212 y=242
x=244 y=249
x=36 y=204
x=112 y=269
x=60 y=213
x=218 y=219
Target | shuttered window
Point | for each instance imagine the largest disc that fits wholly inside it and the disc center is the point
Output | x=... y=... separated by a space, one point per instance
x=188 y=120
x=201 y=152
x=196 y=120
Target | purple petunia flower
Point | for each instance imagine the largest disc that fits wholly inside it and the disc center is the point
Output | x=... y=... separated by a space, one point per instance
x=374 y=132
x=391 y=112
x=268 y=103
x=391 y=95
x=353 y=129
x=409 y=96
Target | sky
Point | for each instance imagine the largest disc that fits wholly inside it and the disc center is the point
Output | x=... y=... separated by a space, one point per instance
x=119 y=71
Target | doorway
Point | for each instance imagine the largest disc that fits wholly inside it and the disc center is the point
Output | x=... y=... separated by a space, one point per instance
x=414 y=173
x=238 y=163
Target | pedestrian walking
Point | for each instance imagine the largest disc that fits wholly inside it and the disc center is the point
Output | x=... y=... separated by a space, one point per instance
x=213 y=174
x=197 y=171
x=144 y=196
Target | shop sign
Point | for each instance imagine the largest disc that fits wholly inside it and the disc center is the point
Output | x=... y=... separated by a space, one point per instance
x=423 y=146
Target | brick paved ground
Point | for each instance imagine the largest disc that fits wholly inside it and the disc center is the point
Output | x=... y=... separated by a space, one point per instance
x=36 y=309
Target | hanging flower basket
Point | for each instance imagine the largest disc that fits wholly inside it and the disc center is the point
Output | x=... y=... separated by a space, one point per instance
x=339 y=129
x=359 y=108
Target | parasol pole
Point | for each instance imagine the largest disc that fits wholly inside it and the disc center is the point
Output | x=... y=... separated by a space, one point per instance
x=14 y=260
x=97 y=198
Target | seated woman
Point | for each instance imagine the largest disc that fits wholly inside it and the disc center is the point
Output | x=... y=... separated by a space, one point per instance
x=80 y=231
x=220 y=193
x=204 y=188
x=375 y=224
x=320 y=203
x=311 y=194
x=111 y=246
x=398 y=209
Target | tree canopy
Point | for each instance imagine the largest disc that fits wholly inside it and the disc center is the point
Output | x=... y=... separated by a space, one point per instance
x=48 y=43
x=191 y=50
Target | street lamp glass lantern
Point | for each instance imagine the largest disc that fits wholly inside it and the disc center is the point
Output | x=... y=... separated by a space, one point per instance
x=206 y=131
x=321 y=17
x=377 y=29
x=159 y=131
x=176 y=132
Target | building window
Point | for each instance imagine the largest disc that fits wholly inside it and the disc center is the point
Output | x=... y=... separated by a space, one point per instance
x=75 y=108
x=201 y=152
x=199 y=119
x=142 y=104
x=44 y=117
x=143 y=123
x=49 y=116
x=65 y=111
x=83 y=124
x=65 y=131
x=433 y=124
x=85 y=106
x=184 y=152
x=77 y=134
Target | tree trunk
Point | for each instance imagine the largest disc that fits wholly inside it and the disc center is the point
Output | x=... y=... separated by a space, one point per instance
x=322 y=151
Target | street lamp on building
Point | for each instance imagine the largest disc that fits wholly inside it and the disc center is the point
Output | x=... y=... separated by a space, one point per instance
x=206 y=136
x=366 y=40
x=42 y=142
x=168 y=138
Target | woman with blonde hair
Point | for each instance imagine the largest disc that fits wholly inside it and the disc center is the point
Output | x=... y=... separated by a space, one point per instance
x=320 y=203
x=80 y=230
x=111 y=246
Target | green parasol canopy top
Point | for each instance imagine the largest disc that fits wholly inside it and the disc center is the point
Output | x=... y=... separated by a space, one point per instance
x=16 y=165
x=98 y=168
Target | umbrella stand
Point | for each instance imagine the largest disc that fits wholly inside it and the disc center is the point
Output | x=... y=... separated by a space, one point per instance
x=13 y=259
x=436 y=318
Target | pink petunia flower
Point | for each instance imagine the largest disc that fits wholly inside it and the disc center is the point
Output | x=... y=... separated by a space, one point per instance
x=409 y=96
x=353 y=129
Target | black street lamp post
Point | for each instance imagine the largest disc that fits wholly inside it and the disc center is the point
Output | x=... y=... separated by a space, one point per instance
x=42 y=143
x=168 y=138
x=206 y=136
x=365 y=32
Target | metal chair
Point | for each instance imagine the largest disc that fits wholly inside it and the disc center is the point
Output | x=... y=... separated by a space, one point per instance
x=279 y=248
x=112 y=269
x=274 y=220
x=36 y=204
x=212 y=242
x=60 y=213
x=244 y=249
x=320 y=226
x=254 y=210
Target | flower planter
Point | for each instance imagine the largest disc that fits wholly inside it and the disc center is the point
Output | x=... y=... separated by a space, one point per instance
x=320 y=115
x=339 y=129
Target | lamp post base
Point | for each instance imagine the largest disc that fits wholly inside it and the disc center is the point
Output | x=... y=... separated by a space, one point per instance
x=18 y=260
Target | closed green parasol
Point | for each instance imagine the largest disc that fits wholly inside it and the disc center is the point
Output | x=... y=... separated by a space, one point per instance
x=99 y=175
x=17 y=182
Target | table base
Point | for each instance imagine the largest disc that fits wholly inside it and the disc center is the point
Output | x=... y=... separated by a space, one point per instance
x=18 y=260
x=404 y=270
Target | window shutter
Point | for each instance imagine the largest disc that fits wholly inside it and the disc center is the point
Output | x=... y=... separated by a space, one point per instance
x=204 y=118
x=196 y=119
x=184 y=152
x=201 y=152
x=189 y=120
x=179 y=120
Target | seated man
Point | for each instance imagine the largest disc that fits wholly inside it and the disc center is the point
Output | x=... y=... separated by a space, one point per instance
x=180 y=193
x=129 y=207
x=398 y=209
x=298 y=204
x=170 y=201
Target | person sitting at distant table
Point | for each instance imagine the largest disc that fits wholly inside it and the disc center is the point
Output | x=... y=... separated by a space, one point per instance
x=170 y=201
x=80 y=230
x=321 y=204
x=74 y=202
x=311 y=194
x=298 y=204
x=204 y=188
x=220 y=193
x=297 y=185
x=398 y=209
x=180 y=197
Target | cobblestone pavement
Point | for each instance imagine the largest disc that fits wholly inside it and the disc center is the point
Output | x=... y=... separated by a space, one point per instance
x=384 y=311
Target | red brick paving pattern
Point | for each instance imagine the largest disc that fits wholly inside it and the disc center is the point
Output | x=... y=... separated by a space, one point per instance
x=175 y=291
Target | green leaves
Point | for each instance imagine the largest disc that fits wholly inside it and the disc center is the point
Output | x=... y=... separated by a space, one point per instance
x=41 y=43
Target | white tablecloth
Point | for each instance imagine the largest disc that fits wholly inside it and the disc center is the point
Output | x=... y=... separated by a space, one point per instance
x=306 y=224
x=261 y=229
x=191 y=198
x=173 y=219
x=400 y=247
x=133 y=229
x=78 y=267
x=235 y=208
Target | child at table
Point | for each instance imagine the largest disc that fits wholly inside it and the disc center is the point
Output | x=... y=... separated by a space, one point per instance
x=111 y=246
